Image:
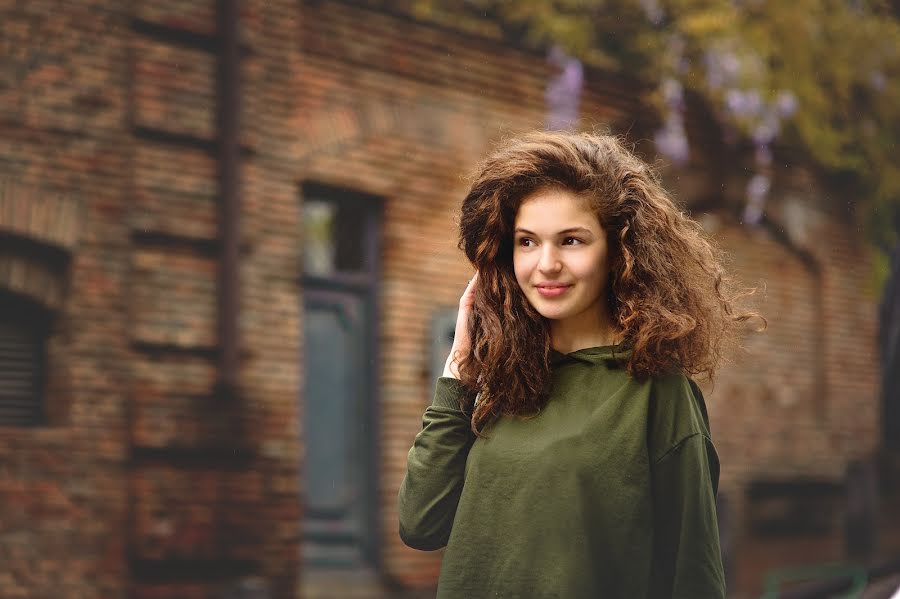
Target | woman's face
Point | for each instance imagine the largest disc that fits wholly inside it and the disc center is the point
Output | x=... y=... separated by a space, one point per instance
x=560 y=257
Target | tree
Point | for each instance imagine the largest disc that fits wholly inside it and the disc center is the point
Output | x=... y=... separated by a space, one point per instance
x=821 y=77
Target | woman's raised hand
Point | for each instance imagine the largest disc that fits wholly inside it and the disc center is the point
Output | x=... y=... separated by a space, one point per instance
x=461 y=341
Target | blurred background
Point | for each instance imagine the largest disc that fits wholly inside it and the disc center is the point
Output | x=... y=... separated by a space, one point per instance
x=228 y=272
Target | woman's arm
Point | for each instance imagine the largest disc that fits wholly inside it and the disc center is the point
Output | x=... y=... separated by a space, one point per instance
x=687 y=560
x=435 y=471
x=436 y=464
x=684 y=469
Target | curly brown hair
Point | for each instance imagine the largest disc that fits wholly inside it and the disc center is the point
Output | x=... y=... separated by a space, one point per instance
x=667 y=292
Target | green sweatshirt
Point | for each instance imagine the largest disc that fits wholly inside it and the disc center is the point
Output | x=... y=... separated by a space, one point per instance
x=608 y=492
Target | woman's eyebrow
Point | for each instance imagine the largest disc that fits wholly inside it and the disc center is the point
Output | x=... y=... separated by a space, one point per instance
x=563 y=232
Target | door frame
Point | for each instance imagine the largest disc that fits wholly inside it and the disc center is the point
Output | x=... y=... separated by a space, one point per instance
x=367 y=285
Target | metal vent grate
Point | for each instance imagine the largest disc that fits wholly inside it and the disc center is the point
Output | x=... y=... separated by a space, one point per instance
x=21 y=347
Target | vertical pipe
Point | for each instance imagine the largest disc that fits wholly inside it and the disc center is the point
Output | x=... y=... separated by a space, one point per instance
x=229 y=190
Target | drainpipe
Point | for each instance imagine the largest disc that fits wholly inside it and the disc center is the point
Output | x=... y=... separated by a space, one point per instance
x=228 y=111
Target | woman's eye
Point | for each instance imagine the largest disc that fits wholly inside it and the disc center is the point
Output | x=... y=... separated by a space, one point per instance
x=524 y=241
x=571 y=241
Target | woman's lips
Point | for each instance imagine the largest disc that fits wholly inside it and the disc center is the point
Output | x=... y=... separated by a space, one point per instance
x=552 y=291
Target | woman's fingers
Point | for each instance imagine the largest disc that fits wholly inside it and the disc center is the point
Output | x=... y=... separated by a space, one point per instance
x=468 y=295
x=461 y=335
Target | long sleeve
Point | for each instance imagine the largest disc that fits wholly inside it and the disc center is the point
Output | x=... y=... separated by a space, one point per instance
x=687 y=561
x=435 y=472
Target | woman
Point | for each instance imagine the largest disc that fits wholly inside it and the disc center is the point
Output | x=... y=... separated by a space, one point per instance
x=566 y=452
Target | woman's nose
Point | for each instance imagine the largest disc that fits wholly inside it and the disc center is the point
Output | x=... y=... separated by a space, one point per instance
x=549 y=261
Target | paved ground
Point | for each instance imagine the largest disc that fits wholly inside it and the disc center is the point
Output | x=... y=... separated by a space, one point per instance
x=357 y=585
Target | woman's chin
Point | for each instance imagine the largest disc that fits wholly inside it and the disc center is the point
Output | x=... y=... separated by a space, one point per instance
x=551 y=313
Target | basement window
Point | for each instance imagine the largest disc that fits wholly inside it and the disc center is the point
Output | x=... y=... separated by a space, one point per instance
x=22 y=354
x=792 y=507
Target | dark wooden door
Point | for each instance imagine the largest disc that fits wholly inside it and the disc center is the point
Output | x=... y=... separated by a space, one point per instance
x=339 y=393
x=336 y=429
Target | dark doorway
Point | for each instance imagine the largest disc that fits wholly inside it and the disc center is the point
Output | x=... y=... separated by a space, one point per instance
x=339 y=395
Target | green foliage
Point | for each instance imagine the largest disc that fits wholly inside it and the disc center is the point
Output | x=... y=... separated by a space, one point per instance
x=839 y=58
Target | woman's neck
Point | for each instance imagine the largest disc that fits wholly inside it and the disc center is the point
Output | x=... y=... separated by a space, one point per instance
x=566 y=339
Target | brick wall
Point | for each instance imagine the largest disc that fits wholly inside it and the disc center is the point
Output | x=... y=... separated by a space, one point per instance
x=215 y=491
x=62 y=142
x=143 y=481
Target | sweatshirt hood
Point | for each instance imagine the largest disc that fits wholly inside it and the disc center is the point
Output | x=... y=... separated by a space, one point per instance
x=591 y=355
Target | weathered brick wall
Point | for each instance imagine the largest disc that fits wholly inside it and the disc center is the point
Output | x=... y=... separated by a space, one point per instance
x=216 y=493
x=144 y=482
x=803 y=399
x=62 y=106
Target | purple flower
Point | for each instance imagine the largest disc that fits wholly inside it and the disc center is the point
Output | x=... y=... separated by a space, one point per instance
x=730 y=64
x=757 y=190
x=767 y=129
x=722 y=67
x=672 y=91
x=758 y=186
x=786 y=103
x=672 y=141
x=743 y=103
x=563 y=92
x=653 y=11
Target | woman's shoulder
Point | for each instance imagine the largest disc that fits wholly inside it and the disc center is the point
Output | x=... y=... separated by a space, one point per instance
x=676 y=384
x=677 y=410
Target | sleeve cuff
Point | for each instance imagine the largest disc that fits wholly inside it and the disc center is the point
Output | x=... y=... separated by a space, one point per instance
x=447 y=393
